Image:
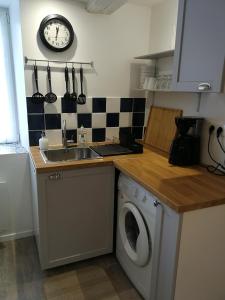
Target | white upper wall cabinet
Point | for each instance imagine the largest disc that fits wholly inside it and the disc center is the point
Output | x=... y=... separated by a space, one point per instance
x=163 y=26
x=200 y=46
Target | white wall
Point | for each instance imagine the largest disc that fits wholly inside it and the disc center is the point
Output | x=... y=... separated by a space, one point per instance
x=15 y=193
x=111 y=41
x=17 y=51
x=163 y=26
x=15 y=196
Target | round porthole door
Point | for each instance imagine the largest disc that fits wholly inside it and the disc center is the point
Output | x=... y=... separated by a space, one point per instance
x=134 y=234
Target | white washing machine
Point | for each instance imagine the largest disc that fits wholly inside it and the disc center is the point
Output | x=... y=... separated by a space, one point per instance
x=139 y=220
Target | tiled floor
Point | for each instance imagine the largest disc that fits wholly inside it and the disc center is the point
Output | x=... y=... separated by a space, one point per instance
x=22 y=279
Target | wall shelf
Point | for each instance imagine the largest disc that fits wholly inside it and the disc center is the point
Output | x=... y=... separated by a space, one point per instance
x=157 y=55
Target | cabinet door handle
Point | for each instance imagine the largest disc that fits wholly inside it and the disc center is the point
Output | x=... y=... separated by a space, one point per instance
x=55 y=176
x=204 y=86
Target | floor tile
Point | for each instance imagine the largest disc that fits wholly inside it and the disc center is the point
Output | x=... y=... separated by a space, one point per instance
x=21 y=278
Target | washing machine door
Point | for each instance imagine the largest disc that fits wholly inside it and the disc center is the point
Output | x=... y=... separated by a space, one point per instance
x=134 y=234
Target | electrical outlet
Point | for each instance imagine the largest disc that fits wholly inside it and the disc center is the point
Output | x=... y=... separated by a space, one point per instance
x=217 y=124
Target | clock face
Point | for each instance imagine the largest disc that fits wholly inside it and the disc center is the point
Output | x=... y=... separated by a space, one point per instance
x=56 y=33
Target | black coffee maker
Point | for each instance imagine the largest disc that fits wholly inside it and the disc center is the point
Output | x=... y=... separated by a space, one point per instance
x=185 y=148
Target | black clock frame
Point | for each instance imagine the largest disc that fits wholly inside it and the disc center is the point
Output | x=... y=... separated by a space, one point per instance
x=62 y=19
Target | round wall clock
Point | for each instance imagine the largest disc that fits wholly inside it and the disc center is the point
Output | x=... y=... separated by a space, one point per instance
x=56 y=33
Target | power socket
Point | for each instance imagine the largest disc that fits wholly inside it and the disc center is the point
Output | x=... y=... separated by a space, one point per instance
x=217 y=125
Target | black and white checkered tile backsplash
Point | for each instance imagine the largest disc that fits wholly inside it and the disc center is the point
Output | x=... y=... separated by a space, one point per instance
x=103 y=118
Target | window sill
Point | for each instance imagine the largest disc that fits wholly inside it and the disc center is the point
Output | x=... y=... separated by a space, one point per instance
x=11 y=149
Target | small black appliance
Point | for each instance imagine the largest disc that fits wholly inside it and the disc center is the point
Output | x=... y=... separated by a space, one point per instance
x=127 y=145
x=185 y=148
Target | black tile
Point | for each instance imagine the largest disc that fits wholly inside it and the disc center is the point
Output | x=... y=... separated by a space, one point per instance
x=71 y=134
x=98 y=134
x=53 y=121
x=125 y=130
x=68 y=106
x=112 y=120
x=137 y=132
x=139 y=105
x=85 y=120
x=34 y=137
x=33 y=108
x=36 y=122
x=99 y=105
x=126 y=104
x=138 y=119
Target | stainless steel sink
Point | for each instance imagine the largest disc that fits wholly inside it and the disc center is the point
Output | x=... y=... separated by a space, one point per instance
x=68 y=154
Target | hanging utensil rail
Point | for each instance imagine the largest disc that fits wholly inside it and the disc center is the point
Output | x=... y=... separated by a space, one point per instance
x=26 y=59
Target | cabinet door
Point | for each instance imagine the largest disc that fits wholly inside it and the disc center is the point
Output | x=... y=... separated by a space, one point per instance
x=200 y=46
x=77 y=215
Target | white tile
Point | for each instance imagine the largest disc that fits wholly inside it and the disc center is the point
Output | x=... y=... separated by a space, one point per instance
x=85 y=108
x=125 y=119
x=98 y=120
x=113 y=105
x=112 y=133
x=89 y=134
x=71 y=120
x=146 y=117
x=53 y=108
x=54 y=137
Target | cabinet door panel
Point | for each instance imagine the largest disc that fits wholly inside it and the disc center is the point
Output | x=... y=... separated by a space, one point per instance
x=200 y=45
x=78 y=213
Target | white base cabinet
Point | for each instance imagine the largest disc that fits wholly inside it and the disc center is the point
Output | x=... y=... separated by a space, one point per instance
x=192 y=255
x=73 y=213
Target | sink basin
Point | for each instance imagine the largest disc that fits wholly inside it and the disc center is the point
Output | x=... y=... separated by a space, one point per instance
x=68 y=154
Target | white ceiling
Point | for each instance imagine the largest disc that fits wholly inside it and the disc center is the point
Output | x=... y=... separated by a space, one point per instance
x=138 y=2
x=144 y=2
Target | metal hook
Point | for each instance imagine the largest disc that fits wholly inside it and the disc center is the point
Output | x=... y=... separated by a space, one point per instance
x=48 y=63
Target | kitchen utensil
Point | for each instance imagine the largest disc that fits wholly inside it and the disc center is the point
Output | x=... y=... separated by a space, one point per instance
x=82 y=98
x=161 y=127
x=50 y=97
x=73 y=96
x=67 y=94
x=37 y=97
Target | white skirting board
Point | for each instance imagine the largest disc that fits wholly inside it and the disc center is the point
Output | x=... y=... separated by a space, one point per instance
x=15 y=236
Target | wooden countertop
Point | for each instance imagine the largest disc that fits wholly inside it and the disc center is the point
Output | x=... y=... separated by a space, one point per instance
x=42 y=167
x=181 y=188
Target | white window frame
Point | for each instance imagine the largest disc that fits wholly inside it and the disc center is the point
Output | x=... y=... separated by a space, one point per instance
x=9 y=134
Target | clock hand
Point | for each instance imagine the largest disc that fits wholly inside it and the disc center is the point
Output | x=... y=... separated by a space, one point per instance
x=57 y=31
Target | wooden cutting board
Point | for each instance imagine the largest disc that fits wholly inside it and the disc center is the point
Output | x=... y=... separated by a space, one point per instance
x=161 y=128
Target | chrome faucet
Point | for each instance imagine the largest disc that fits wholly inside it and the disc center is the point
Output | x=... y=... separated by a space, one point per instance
x=64 y=139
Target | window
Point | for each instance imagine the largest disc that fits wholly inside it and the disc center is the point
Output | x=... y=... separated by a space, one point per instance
x=8 y=115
